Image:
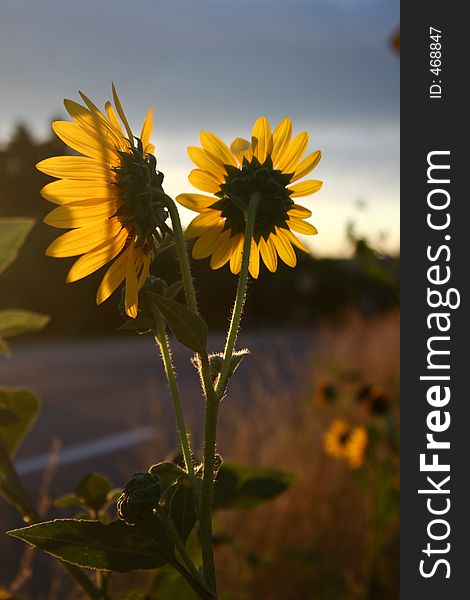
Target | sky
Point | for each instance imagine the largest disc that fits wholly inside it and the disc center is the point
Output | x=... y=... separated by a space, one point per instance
x=217 y=65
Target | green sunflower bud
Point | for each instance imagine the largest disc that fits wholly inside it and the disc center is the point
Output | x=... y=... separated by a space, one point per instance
x=139 y=498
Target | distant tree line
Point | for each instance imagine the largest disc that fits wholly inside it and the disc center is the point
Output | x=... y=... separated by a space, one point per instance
x=317 y=289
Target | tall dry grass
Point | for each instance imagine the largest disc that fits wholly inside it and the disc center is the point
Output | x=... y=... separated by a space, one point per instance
x=327 y=537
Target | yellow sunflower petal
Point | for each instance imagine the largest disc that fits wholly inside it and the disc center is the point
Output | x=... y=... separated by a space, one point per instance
x=293 y=153
x=91 y=105
x=121 y=114
x=261 y=140
x=80 y=214
x=213 y=144
x=241 y=148
x=294 y=240
x=202 y=222
x=113 y=118
x=197 y=202
x=204 y=245
x=113 y=277
x=146 y=261
x=281 y=138
x=284 y=248
x=64 y=191
x=268 y=254
x=207 y=162
x=131 y=295
x=94 y=260
x=222 y=249
x=301 y=226
x=299 y=211
x=75 y=167
x=236 y=254
x=305 y=188
x=205 y=182
x=147 y=126
x=253 y=266
x=92 y=123
x=307 y=165
x=75 y=137
x=79 y=241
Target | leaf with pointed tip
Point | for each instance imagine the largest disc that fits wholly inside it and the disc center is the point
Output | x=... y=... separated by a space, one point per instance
x=189 y=328
x=95 y=545
x=240 y=486
x=16 y=321
x=25 y=406
x=13 y=232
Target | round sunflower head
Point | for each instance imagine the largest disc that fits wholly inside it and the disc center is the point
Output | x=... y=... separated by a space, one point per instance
x=107 y=196
x=268 y=168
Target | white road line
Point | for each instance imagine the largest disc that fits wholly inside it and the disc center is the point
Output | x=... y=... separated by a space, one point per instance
x=91 y=449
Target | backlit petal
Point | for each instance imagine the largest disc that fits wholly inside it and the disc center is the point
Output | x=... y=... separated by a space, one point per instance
x=64 y=191
x=113 y=277
x=268 y=254
x=254 y=260
x=205 y=182
x=75 y=137
x=261 y=139
x=307 y=165
x=299 y=211
x=301 y=226
x=76 y=167
x=203 y=221
x=147 y=126
x=222 y=249
x=236 y=254
x=131 y=295
x=197 y=202
x=207 y=162
x=80 y=214
x=284 y=248
x=293 y=153
x=213 y=144
x=281 y=138
x=241 y=149
x=305 y=188
x=94 y=260
x=79 y=241
x=204 y=245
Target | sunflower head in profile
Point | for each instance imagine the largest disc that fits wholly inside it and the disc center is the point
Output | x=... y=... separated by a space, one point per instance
x=269 y=167
x=108 y=196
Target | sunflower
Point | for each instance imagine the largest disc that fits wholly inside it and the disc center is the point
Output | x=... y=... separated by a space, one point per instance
x=269 y=166
x=347 y=443
x=106 y=197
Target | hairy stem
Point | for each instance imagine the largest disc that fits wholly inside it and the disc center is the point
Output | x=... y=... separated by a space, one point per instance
x=163 y=343
x=239 y=298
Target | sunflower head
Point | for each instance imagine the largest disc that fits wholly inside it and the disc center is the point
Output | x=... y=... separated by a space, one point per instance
x=109 y=195
x=341 y=441
x=264 y=169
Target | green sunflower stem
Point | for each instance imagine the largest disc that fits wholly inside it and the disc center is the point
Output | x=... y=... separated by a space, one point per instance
x=239 y=298
x=212 y=405
x=164 y=346
x=182 y=255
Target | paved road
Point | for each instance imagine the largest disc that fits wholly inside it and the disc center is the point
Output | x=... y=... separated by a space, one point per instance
x=96 y=391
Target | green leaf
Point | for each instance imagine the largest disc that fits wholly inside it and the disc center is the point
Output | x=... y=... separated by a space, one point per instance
x=25 y=406
x=93 y=490
x=13 y=233
x=189 y=328
x=13 y=322
x=66 y=500
x=239 y=486
x=168 y=472
x=94 y=545
x=8 y=416
x=182 y=512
